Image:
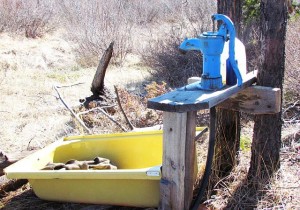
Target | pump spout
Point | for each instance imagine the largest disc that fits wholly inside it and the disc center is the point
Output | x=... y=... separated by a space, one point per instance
x=190 y=44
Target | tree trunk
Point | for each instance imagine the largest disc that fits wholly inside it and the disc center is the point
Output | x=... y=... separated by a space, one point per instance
x=98 y=81
x=228 y=121
x=267 y=128
x=233 y=9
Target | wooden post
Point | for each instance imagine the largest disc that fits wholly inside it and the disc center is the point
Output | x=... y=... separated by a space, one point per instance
x=176 y=187
x=180 y=107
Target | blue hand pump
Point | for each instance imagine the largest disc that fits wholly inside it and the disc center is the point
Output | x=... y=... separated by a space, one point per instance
x=211 y=44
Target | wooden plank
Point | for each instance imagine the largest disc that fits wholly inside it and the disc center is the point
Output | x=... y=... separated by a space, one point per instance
x=255 y=100
x=178 y=139
x=190 y=159
x=184 y=101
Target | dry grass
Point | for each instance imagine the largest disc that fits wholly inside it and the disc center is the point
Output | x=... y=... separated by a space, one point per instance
x=33 y=115
x=280 y=191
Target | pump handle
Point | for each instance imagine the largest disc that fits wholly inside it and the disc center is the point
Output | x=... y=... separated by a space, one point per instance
x=228 y=24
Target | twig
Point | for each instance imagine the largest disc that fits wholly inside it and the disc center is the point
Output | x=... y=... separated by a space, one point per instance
x=107 y=115
x=29 y=142
x=112 y=119
x=5 y=111
x=122 y=110
x=70 y=85
x=201 y=133
x=72 y=112
x=93 y=109
x=291 y=106
x=288 y=188
x=291 y=121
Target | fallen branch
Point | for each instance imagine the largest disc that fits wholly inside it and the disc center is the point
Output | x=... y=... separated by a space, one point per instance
x=93 y=109
x=294 y=110
x=201 y=134
x=293 y=121
x=70 y=85
x=107 y=115
x=72 y=112
x=122 y=110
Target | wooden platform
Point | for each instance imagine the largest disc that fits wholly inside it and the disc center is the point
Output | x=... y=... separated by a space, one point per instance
x=179 y=122
x=184 y=101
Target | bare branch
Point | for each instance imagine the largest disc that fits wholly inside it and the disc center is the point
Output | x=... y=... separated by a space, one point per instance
x=122 y=110
x=201 y=134
x=293 y=108
x=93 y=109
x=72 y=112
x=107 y=115
x=112 y=119
x=70 y=85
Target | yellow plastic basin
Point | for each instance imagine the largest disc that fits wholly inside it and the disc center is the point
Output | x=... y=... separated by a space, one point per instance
x=138 y=156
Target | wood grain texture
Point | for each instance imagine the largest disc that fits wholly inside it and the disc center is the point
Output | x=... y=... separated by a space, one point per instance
x=255 y=100
x=184 y=101
x=98 y=81
x=190 y=158
x=177 y=172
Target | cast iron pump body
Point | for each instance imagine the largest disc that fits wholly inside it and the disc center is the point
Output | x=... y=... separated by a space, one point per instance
x=211 y=44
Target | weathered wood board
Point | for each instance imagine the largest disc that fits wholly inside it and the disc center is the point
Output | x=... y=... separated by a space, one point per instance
x=255 y=100
x=176 y=185
x=184 y=101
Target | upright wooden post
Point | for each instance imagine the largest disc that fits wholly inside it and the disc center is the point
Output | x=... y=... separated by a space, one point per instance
x=176 y=187
x=180 y=107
